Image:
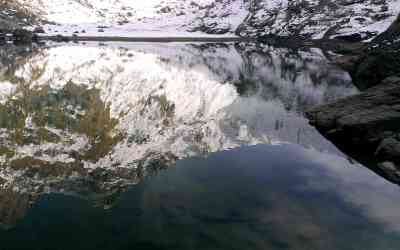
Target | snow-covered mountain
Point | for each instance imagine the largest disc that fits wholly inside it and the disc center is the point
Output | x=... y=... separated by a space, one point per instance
x=320 y=18
x=306 y=18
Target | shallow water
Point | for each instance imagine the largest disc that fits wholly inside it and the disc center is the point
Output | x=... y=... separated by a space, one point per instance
x=81 y=123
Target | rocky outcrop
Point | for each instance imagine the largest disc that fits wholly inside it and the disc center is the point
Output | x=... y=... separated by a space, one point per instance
x=370 y=64
x=369 y=67
x=366 y=126
x=346 y=19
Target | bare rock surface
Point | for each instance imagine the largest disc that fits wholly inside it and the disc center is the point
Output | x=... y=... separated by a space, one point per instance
x=366 y=126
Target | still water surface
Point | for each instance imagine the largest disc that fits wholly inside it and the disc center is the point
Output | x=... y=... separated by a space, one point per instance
x=180 y=146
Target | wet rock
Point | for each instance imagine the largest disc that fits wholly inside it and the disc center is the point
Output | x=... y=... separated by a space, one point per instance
x=389 y=168
x=389 y=149
x=366 y=125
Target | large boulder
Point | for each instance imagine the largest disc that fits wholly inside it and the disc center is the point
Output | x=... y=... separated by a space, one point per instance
x=374 y=65
x=366 y=126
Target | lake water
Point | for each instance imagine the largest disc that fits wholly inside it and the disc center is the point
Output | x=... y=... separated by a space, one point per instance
x=180 y=146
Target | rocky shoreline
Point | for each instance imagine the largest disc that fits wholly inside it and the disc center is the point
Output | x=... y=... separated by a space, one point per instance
x=367 y=126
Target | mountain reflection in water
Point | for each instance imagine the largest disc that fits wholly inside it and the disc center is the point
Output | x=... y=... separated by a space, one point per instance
x=90 y=120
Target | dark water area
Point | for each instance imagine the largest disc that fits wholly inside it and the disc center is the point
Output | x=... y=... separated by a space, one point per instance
x=259 y=197
x=180 y=146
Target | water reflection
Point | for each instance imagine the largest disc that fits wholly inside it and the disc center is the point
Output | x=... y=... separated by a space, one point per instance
x=260 y=197
x=89 y=120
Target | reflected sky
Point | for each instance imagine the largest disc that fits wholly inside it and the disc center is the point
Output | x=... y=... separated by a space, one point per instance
x=90 y=120
x=258 y=197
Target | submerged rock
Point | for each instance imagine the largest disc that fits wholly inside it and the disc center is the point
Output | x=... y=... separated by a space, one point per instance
x=366 y=126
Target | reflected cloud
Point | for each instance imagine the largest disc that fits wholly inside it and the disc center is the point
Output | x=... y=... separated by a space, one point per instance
x=376 y=197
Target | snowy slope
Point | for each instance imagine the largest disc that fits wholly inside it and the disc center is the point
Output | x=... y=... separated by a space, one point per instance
x=320 y=18
x=174 y=17
x=306 y=18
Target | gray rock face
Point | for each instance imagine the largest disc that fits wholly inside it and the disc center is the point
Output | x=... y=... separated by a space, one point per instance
x=366 y=126
x=348 y=19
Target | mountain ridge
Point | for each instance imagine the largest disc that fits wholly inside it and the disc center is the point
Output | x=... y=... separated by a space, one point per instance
x=309 y=19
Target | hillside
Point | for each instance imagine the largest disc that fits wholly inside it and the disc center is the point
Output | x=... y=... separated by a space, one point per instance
x=362 y=19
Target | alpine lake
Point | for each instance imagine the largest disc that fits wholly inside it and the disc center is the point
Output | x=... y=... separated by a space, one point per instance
x=180 y=146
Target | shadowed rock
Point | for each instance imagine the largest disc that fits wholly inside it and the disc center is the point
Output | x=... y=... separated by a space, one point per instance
x=376 y=61
x=366 y=126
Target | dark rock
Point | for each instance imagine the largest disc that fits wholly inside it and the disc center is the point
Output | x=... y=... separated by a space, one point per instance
x=365 y=126
x=390 y=170
x=351 y=38
x=60 y=38
x=370 y=66
x=39 y=30
x=23 y=36
x=212 y=28
x=392 y=33
x=389 y=149
x=165 y=10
